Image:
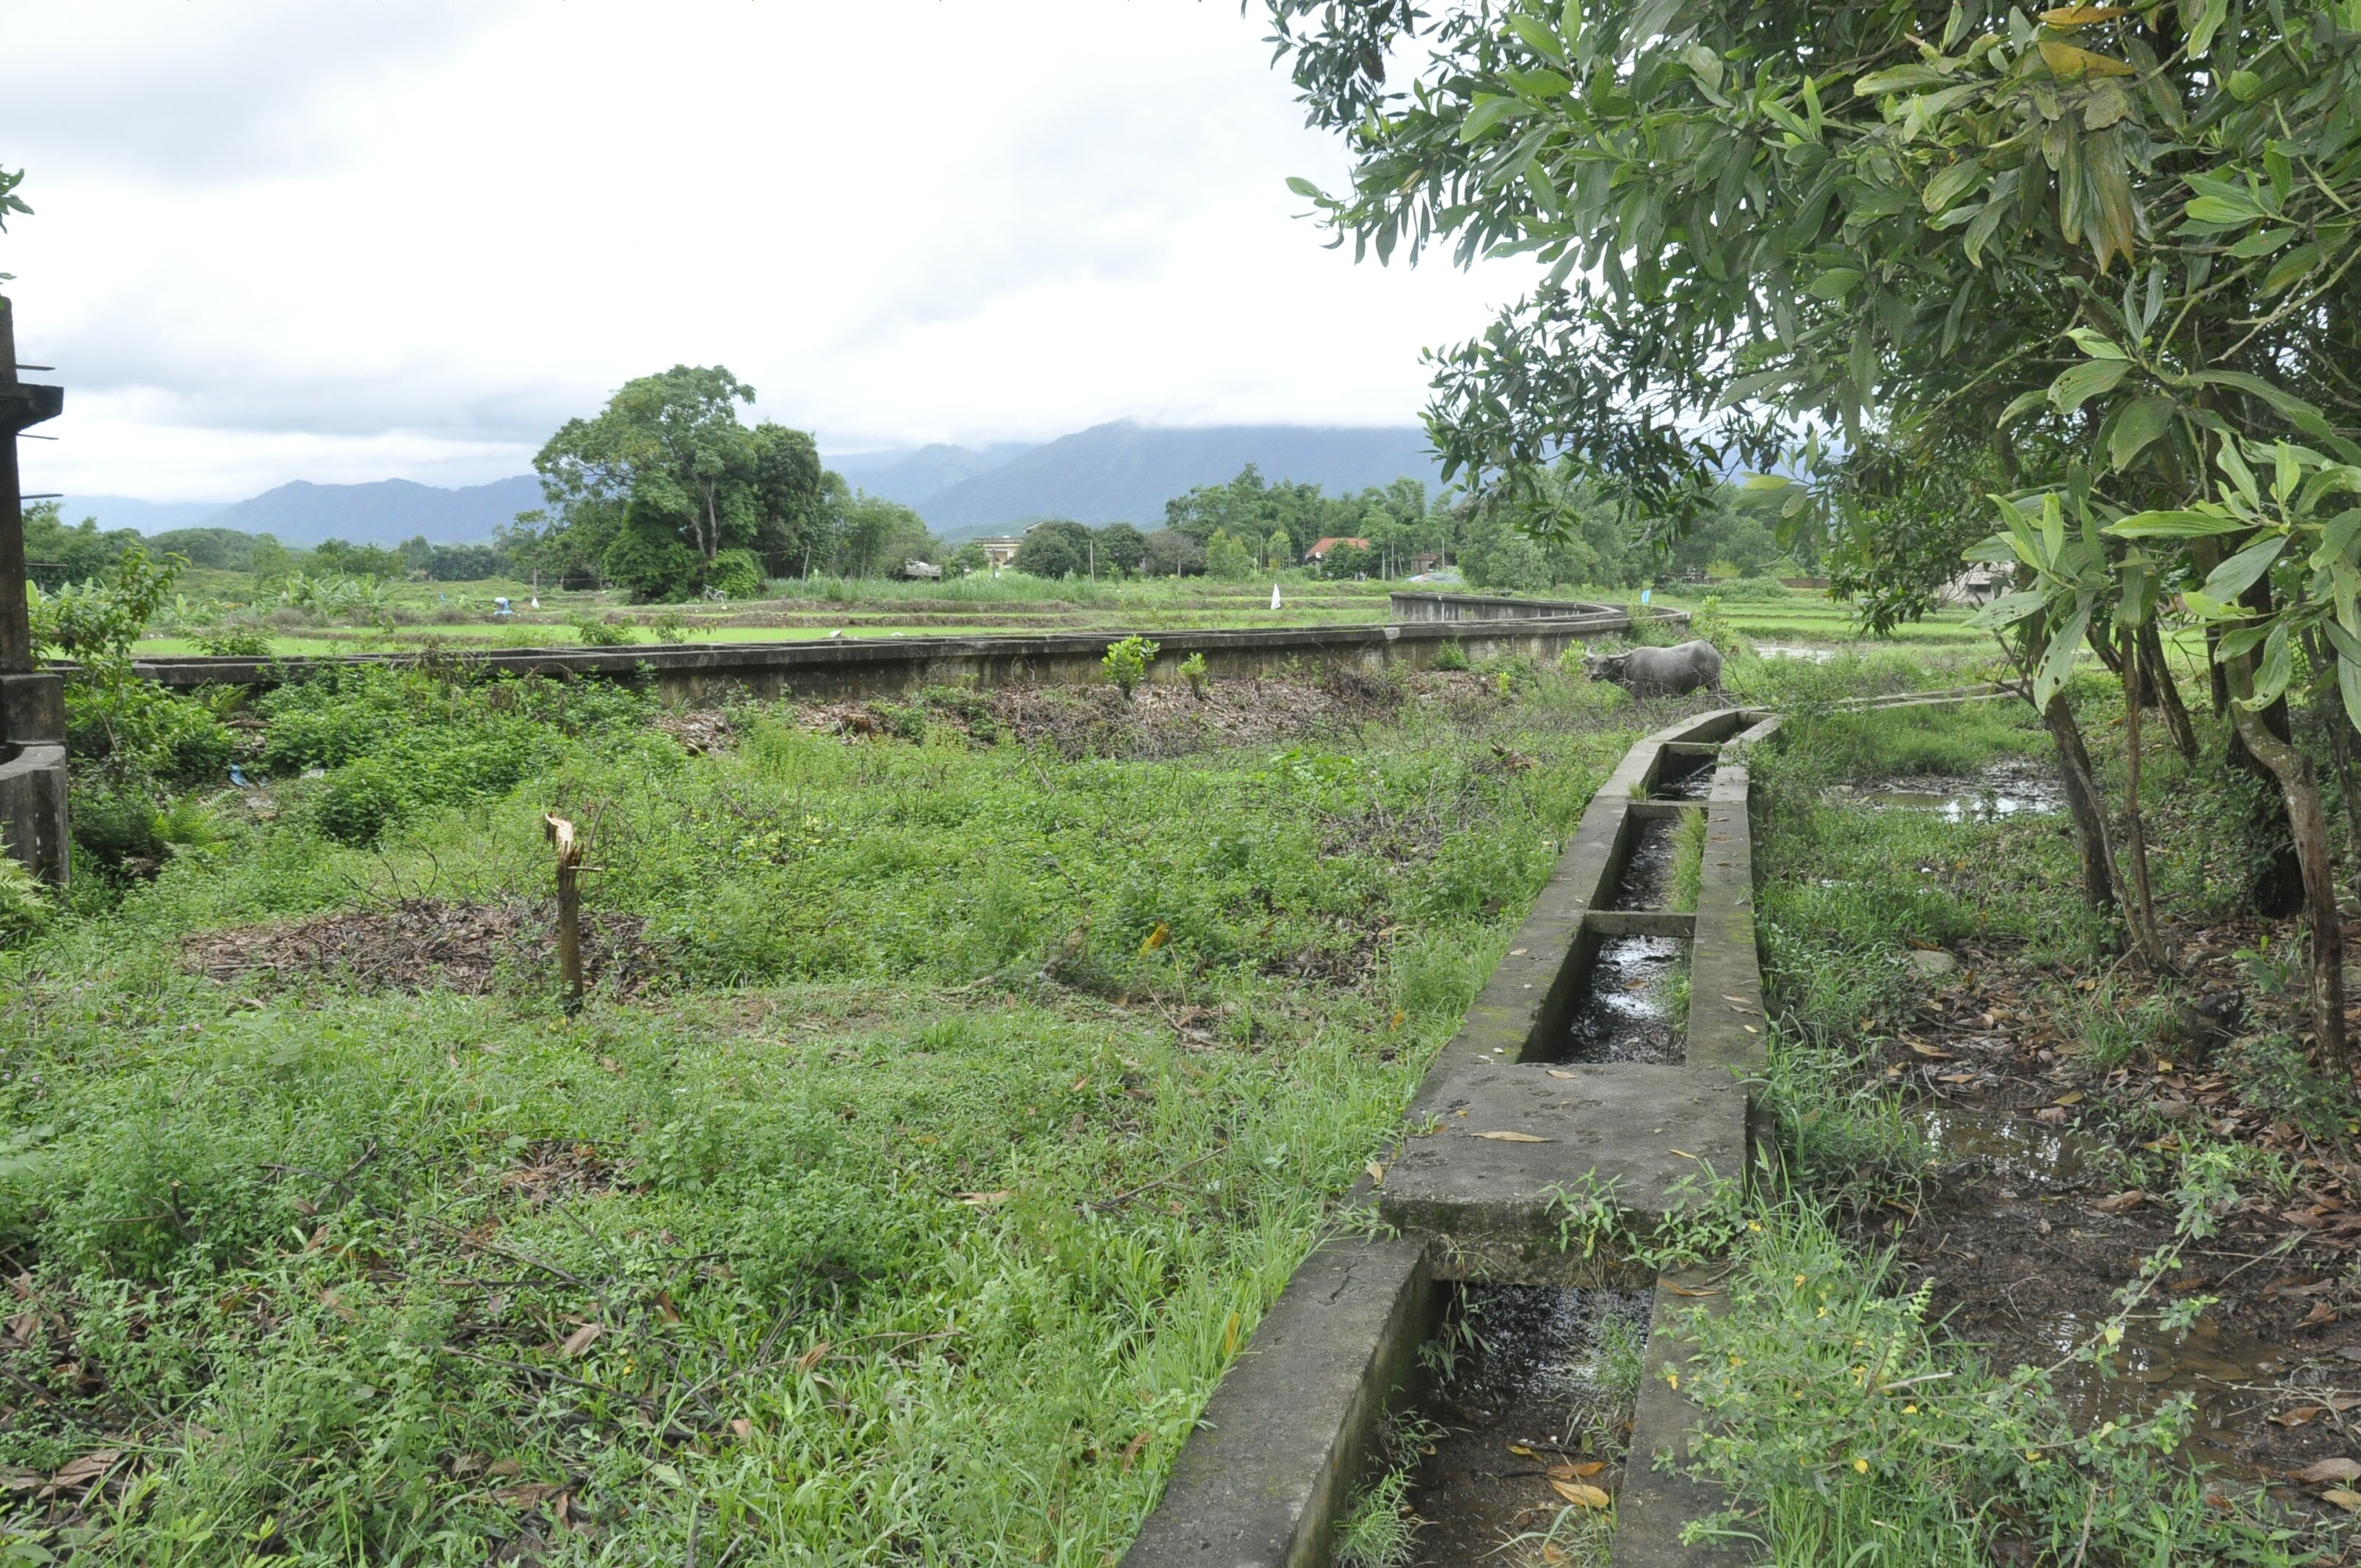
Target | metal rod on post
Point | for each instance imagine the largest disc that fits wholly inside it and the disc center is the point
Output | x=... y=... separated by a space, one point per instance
x=16 y=621
x=569 y=907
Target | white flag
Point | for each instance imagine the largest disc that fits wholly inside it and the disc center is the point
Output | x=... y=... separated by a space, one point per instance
x=1274 y=596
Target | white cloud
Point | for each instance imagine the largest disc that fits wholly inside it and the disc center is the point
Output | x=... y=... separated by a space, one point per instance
x=287 y=241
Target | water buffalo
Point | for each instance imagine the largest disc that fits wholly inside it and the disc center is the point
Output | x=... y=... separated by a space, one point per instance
x=1659 y=672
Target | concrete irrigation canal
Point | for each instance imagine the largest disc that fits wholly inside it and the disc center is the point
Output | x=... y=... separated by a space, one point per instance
x=1557 y=1083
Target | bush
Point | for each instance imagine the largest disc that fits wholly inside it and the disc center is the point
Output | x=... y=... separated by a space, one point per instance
x=1450 y=655
x=1193 y=670
x=234 y=641
x=1127 y=663
x=24 y=902
x=612 y=632
x=735 y=573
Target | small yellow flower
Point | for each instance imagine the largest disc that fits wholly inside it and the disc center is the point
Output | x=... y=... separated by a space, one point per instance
x=1862 y=1465
x=1909 y=1410
x=1674 y=1378
x=1799 y=1279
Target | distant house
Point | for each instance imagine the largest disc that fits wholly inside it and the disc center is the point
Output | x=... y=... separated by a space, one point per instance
x=1976 y=586
x=1319 y=551
x=920 y=571
x=998 y=553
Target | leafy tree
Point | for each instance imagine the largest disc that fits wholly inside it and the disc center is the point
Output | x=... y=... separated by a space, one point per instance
x=656 y=488
x=1122 y=547
x=361 y=560
x=1227 y=556
x=1054 y=550
x=873 y=536
x=1168 y=553
x=56 y=554
x=2088 y=258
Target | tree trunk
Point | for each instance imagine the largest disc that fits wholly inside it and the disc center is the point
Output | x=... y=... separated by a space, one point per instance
x=2099 y=877
x=2168 y=692
x=2301 y=791
x=2141 y=905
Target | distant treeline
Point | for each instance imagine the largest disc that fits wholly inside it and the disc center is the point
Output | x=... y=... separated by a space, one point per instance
x=57 y=553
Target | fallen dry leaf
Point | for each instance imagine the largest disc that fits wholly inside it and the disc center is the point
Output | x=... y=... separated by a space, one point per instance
x=2301 y=1416
x=2132 y=1198
x=2328 y=1470
x=2051 y=1116
x=2071 y=1097
x=83 y=1471
x=1937 y=1052
x=1560 y=1072
x=1376 y=1173
x=811 y=1357
x=1577 y=1471
x=1581 y=1496
x=1511 y=1137
x=2349 y=1501
x=581 y=1339
x=2322 y=1313
x=1157 y=938
x=740 y=1428
x=986 y=1199
x=532 y=1494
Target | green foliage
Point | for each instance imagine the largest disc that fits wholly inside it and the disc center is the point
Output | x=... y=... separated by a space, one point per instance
x=394 y=742
x=337 y=556
x=24 y=901
x=56 y=555
x=1380 y=1529
x=1193 y=670
x=664 y=481
x=1834 y=1417
x=1449 y=654
x=598 y=630
x=1127 y=660
x=1228 y=557
x=233 y=641
x=910 y=1184
x=1055 y=548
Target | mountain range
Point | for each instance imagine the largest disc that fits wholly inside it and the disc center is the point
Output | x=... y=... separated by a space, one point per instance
x=1120 y=472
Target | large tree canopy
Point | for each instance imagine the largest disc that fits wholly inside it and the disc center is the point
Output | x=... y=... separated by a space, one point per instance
x=2087 y=273
x=665 y=492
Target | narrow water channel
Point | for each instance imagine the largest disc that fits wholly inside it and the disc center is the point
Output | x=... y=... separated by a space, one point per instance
x=1526 y=1386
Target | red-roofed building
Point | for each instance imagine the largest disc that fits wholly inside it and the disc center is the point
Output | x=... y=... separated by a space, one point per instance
x=1319 y=551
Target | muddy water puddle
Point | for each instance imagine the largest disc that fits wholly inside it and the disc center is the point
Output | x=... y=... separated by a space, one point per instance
x=1550 y=1371
x=2008 y=789
x=2032 y=1171
x=1647 y=879
x=1637 y=1008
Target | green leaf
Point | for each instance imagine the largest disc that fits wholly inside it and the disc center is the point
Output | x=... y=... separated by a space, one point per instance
x=2234 y=463
x=2292 y=409
x=2213 y=210
x=1537 y=84
x=2348 y=684
x=1766 y=482
x=2079 y=385
x=2262 y=242
x=1834 y=284
x=2208 y=22
x=1302 y=187
x=1901 y=79
x=2097 y=344
x=2138 y=427
x=1980 y=231
x=1706 y=66
x=1535 y=34
x=1952 y=184
x=2276 y=669
x=1490 y=110
x=2020 y=405
x=2175 y=525
x=2236 y=575
x=2009 y=609
x=2291 y=267
x=2235 y=644
x=2245 y=86
x=2058 y=663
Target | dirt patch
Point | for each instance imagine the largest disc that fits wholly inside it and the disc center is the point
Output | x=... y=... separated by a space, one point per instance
x=420 y=944
x=699 y=730
x=1157 y=720
x=2033 y=1218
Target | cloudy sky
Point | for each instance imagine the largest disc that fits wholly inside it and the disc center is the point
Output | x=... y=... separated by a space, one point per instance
x=285 y=240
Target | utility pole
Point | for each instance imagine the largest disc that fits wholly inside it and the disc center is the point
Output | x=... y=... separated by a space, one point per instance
x=32 y=702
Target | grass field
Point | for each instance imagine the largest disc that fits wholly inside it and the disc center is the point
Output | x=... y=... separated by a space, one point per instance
x=944 y=1117
x=457 y=614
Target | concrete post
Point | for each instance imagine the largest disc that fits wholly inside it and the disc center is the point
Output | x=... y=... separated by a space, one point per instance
x=33 y=819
